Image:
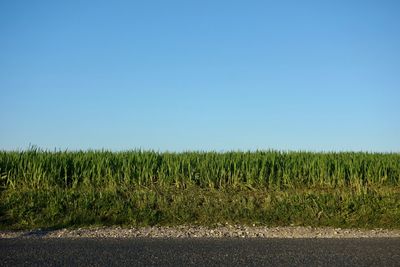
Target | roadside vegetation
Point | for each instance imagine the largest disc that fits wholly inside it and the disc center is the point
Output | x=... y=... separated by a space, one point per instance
x=137 y=188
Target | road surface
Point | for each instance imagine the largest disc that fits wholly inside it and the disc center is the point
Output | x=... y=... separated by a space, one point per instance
x=203 y=252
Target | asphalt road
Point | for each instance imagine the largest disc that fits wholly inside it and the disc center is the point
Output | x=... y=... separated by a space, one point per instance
x=200 y=252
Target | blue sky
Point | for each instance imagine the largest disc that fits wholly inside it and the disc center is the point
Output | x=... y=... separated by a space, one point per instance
x=200 y=75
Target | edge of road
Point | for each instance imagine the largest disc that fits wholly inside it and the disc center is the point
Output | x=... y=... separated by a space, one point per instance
x=186 y=231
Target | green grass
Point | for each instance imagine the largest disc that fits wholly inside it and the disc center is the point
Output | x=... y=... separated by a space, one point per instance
x=59 y=189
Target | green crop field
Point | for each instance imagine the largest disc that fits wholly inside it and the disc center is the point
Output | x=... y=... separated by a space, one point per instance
x=58 y=189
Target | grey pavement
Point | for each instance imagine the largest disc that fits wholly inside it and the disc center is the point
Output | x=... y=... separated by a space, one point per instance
x=199 y=252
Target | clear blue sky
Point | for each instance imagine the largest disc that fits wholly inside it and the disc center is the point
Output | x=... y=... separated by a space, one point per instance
x=200 y=75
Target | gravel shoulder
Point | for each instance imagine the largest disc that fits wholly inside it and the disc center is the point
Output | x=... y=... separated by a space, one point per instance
x=223 y=231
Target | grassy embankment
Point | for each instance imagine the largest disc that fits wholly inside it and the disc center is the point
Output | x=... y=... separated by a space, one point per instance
x=57 y=189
